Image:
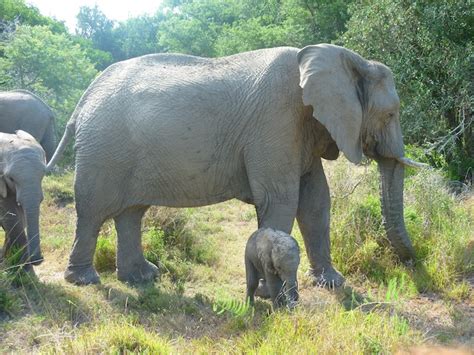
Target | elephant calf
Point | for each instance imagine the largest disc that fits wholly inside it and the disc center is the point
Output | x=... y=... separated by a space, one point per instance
x=274 y=256
x=22 y=168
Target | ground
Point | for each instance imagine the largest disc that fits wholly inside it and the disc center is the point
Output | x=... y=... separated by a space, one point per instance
x=198 y=305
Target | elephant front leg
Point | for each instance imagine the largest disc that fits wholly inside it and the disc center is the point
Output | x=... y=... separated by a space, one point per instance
x=131 y=264
x=279 y=215
x=313 y=218
x=15 y=249
x=80 y=270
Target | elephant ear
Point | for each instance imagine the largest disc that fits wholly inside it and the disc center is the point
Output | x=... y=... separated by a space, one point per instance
x=330 y=77
x=25 y=135
x=264 y=250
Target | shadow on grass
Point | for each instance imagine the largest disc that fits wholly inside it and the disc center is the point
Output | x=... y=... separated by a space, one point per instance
x=30 y=296
x=176 y=314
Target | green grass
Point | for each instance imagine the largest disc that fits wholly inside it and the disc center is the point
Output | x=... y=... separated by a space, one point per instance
x=198 y=305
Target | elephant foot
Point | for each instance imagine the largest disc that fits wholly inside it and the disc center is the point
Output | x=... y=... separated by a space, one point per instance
x=36 y=259
x=326 y=277
x=83 y=275
x=138 y=273
x=262 y=290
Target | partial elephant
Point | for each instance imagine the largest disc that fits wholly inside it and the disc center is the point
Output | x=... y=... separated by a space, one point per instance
x=23 y=110
x=184 y=131
x=21 y=173
x=273 y=256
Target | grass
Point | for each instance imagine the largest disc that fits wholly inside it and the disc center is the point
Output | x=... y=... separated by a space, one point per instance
x=440 y=227
x=198 y=304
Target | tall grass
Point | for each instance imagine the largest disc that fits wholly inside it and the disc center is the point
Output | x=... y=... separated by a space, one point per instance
x=440 y=229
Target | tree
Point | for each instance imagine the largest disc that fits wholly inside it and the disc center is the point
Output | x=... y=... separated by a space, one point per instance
x=137 y=36
x=94 y=25
x=49 y=64
x=429 y=47
x=17 y=12
x=220 y=27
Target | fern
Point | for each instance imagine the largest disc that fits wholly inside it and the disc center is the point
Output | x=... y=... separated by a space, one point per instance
x=236 y=308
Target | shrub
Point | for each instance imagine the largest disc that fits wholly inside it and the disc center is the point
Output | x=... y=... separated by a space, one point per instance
x=105 y=254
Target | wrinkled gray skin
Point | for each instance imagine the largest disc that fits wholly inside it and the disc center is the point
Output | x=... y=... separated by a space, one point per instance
x=22 y=168
x=273 y=256
x=22 y=110
x=183 y=131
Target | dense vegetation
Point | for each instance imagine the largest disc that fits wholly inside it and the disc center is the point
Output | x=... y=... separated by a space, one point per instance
x=428 y=45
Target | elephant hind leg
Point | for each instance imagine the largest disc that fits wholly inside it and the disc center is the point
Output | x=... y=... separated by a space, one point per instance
x=131 y=264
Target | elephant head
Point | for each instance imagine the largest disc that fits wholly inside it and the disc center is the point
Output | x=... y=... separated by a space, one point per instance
x=21 y=172
x=356 y=100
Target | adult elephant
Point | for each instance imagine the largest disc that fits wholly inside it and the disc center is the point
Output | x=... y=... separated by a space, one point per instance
x=183 y=131
x=23 y=110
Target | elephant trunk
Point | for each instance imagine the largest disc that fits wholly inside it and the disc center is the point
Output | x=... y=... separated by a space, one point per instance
x=391 y=189
x=31 y=210
x=291 y=293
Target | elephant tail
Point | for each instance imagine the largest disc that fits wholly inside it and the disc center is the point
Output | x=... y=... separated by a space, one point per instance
x=49 y=139
x=68 y=134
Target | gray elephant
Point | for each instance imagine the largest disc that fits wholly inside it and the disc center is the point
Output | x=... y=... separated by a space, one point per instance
x=183 y=131
x=23 y=110
x=23 y=165
x=273 y=256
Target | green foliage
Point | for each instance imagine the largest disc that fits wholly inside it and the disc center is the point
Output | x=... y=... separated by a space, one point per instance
x=236 y=308
x=104 y=257
x=17 y=12
x=429 y=47
x=219 y=27
x=94 y=25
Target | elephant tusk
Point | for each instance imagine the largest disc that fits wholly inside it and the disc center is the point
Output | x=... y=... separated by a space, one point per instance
x=413 y=164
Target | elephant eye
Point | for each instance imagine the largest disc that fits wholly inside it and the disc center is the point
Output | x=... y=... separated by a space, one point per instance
x=389 y=117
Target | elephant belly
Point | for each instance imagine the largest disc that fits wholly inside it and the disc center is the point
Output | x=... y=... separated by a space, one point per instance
x=191 y=183
x=163 y=170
